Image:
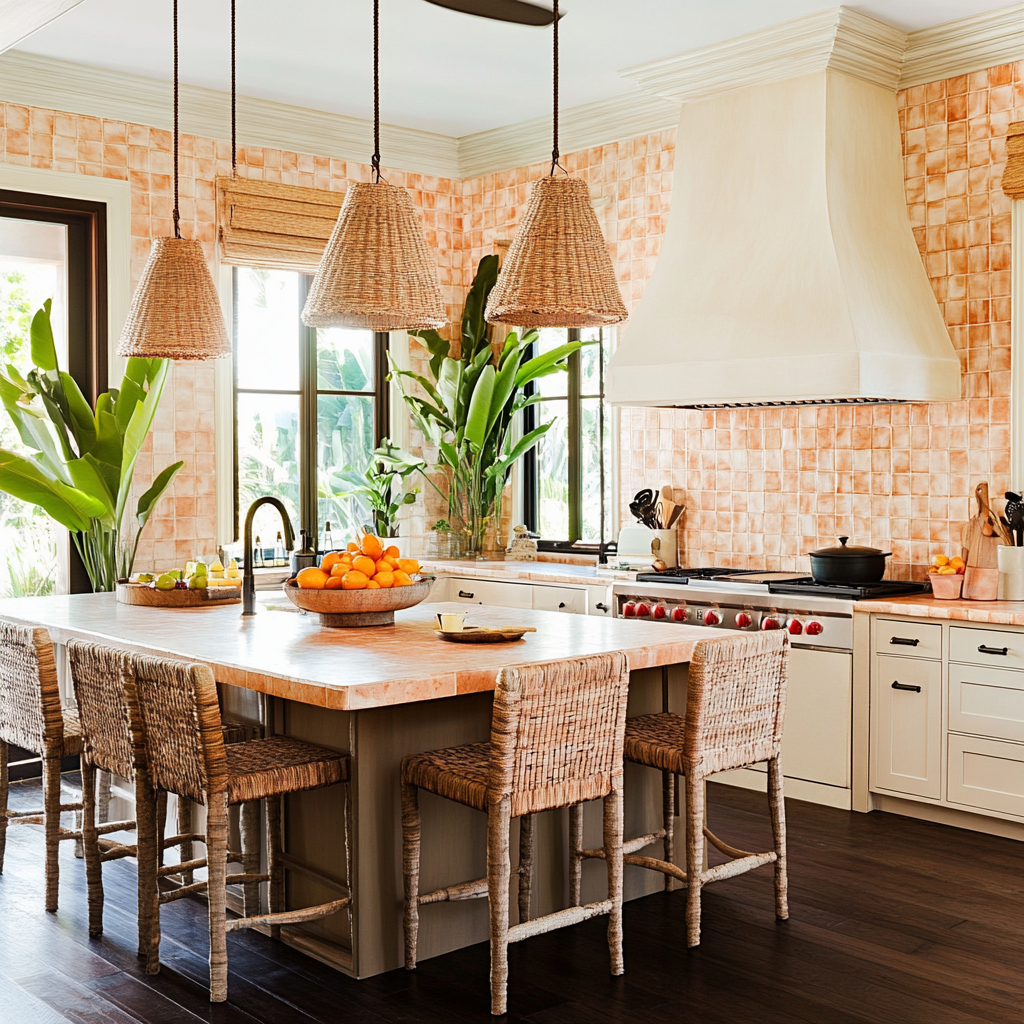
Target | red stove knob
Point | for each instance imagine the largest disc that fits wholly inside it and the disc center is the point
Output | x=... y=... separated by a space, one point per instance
x=642 y=611
x=629 y=610
x=814 y=628
x=795 y=627
x=743 y=620
x=659 y=611
x=679 y=614
x=712 y=617
x=768 y=622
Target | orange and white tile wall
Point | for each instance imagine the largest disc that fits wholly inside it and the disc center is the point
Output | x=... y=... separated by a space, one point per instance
x=761 y=486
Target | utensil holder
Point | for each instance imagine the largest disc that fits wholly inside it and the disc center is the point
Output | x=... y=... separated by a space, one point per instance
x=1011 y=573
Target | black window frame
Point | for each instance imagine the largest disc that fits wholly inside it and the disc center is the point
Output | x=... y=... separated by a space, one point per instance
x=530 y=469
x=308 y=394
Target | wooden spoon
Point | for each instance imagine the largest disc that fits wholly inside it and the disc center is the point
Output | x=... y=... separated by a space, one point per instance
x=993 y=525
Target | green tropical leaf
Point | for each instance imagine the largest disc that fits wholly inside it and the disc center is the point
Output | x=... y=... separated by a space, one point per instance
x=82 y=424
x=448 y=385
x=149 y=500
x=478 y=417
x=474 y=326
x=28 y=481
x=86 y=477
x=135 y=435
x=539 y=365
x=44 y=353
x=437 y=346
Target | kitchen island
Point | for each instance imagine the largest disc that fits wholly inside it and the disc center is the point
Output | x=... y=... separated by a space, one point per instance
x=379 y=694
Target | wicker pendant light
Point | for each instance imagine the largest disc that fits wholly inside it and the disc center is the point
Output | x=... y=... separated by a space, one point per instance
x=377 y=272
x=175 y=311
x=557 y=272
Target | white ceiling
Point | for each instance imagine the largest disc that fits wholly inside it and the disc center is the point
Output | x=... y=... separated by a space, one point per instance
x=441 y=70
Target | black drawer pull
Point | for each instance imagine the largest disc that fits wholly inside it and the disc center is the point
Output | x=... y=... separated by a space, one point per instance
x=561 y=604
x=465 y=593
x=904 y=641
x=601 y=606
x=994 y=650
x=906 y=686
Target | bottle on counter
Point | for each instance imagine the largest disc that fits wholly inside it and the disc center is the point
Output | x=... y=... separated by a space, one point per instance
x=257 y=555
x=280 y=555
x=328 y=538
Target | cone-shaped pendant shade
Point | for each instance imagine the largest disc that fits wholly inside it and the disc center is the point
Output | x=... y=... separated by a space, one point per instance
x=377 y=272
x=175 y=311
x=557 y=272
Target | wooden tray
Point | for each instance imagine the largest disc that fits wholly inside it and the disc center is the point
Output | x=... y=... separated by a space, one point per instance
x=486 y=635
x=144 y=594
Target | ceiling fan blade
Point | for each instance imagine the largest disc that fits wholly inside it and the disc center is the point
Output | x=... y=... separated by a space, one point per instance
x=519 y=12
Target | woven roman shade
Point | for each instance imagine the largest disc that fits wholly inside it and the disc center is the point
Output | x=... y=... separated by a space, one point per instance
x=1013 y=175
x=267 y=224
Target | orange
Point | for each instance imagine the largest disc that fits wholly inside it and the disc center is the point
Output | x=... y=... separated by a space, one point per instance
x=373 y=585
x=401 y=574
x=402 y=582
x=365 y=565
x=354 y=580
x=384 y=565
x=409 y=565
x=385 y=579
x=372 y=547
x=331 y=559
x=391 y=563
x=333 y=582
x=311 y=578
x=353 y=546
x=392 y=552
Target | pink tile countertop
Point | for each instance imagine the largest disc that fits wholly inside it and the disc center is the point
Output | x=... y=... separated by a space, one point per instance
x=282 y=652
x=1001 y=613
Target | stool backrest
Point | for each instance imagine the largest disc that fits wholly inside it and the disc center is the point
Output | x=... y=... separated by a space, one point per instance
x=557 y=732
x=30 y=715
x=98 y=676
x=735 y=701
x=180 y=716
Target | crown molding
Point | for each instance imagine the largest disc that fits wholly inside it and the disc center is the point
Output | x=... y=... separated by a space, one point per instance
x=960 y=47
x=836 y=38
x=593 y=124
x=20 y=18
x=83 y=89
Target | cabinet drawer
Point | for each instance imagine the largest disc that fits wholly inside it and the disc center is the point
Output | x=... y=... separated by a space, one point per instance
x=987 y=774
x=599 y=601
x=508 y=595
x=986 y=701
x=997 y=648
x=918 y=639
x=906 y=739
x=560 y=599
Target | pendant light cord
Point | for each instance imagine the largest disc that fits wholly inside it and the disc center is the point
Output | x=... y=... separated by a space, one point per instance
x=234 y=143
x=174 y=212
x=375 y=160
x=554 y=149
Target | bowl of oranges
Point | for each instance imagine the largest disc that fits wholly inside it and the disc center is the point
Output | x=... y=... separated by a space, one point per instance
x=946 y=576
x=362 y=586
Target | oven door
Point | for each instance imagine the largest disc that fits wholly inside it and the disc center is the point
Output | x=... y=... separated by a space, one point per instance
x=817 y=738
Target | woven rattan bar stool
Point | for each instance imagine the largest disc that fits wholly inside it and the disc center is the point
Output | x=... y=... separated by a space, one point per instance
x=556 y=741
x=31 y=717
x=735 y=707
x=178 y=747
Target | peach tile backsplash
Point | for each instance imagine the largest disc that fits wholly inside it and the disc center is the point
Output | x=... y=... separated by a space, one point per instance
x=762 y=486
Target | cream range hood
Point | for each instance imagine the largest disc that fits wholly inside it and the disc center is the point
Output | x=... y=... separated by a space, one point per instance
x=789 y=272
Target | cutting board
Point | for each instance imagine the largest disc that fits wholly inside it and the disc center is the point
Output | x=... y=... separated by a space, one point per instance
x=144 y=594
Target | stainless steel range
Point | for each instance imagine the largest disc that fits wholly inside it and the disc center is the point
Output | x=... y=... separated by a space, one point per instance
x=817 y=744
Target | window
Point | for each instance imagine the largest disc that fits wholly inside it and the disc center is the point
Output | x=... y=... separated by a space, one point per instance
x=566 y=494
x=310 y=407
x=50 y=248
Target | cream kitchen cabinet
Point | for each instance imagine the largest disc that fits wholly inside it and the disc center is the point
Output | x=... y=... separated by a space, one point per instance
x=581 y=600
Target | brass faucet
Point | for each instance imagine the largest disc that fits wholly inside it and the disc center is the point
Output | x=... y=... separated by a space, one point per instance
x=248 y=579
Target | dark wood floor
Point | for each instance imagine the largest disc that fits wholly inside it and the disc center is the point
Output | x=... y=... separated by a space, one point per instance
x=893 y=920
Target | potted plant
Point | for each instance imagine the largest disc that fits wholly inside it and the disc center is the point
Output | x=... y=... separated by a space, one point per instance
x=468 y=409
x=388 y=469
x=83 y=461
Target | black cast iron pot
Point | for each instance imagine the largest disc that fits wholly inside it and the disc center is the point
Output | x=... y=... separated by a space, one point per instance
x=848 y=565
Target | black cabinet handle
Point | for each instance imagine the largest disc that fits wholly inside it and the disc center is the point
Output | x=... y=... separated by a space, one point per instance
x=601 y=606
x=561 y=604
x=465 y=593
x=993 y=650
x=904 y=641
x=906 y=686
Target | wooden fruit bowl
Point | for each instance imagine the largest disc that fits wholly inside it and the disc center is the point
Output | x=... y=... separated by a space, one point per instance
x=348 y=609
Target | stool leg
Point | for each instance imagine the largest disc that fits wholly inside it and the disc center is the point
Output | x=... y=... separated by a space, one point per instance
x=668 y=814
x=91 y=844
x=161 y=824
x=148 y=834
x=217 y=866
x=251 y=820
x=4 y=791
x=777 y=806
x=80 y=815
x=498 y=871
x=102 y=796
x=275 y=867
x=694 y=857
x=186 y=851
x=411 y=835
x=525 y=865
x=575 y=853
x=51 y=826
x=613 y=858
